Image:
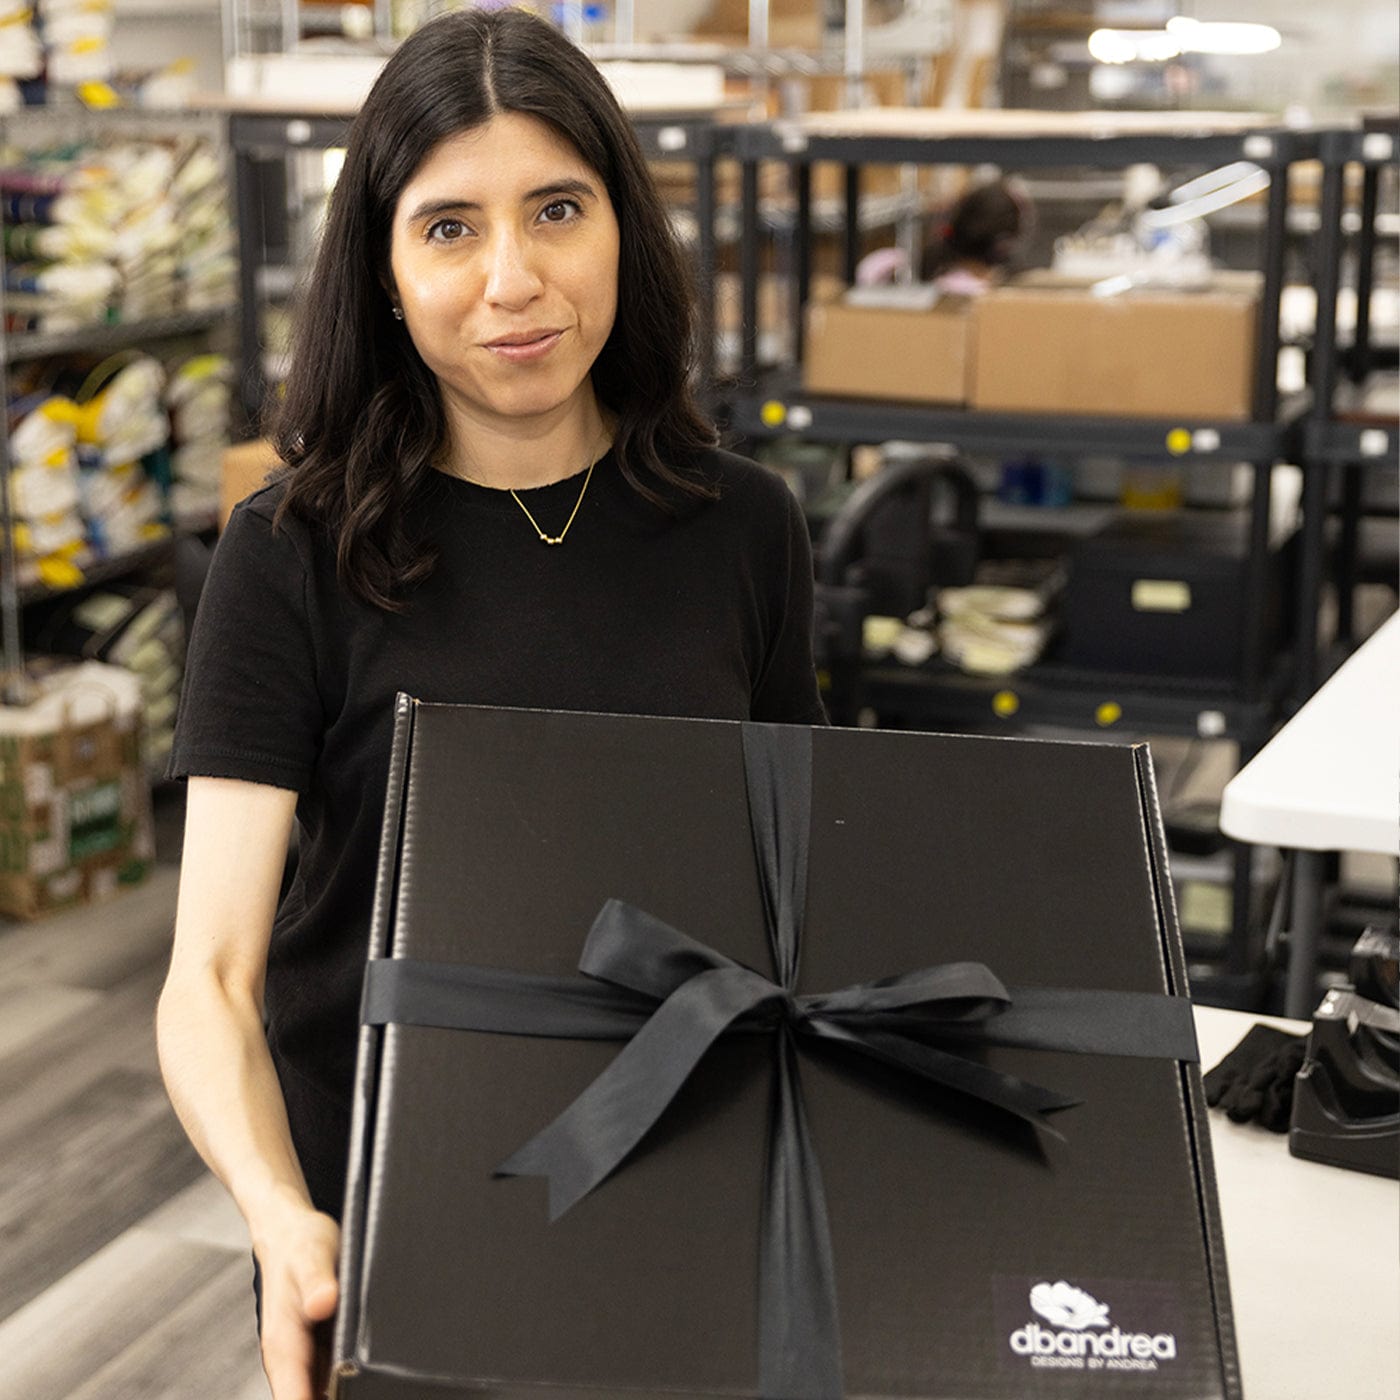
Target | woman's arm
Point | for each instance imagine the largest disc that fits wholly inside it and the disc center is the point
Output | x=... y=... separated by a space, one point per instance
x=219 y=1072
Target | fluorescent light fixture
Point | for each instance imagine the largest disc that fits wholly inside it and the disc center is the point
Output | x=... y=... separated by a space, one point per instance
x=1112 y=46
x=1194 y=36
x=1181 y=36
x=1133 y=45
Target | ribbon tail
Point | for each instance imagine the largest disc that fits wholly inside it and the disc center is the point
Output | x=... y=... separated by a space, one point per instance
x=1030 y=1102
x=592 y=1137
x=799 y=1338
x=1091 y=1022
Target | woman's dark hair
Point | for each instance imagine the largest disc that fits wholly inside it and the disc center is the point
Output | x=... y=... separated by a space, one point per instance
x=362 y=418
x=984 y=225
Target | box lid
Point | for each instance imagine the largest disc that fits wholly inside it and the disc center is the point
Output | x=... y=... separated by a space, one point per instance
x=506 y=832
x=1204 y=541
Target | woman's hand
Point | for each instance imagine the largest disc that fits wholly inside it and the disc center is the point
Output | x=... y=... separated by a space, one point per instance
x=299 y=1292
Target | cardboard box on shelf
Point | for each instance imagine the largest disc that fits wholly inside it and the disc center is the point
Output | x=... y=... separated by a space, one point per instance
x=721 y=869
x=914 y=347
x=791 y=23
x=1048 y=347
x=245 y=469
x=75 y=802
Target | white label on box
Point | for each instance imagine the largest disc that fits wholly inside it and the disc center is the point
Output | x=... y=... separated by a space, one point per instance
x=51 y=855
x=45 y=857
x=916 y=296
x=38 y=783
x=65 y=886
x=1161 y=595
x=1205 y=907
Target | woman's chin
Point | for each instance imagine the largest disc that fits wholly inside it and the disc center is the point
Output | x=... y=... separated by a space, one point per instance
x=525 y=403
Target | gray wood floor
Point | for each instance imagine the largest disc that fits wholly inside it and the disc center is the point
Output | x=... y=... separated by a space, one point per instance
x=124 y=1269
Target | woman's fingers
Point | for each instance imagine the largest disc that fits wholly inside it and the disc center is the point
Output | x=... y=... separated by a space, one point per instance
x=288 y=1352
x=300 y=1292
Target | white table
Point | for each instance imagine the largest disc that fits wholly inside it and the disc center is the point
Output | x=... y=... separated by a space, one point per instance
x=1313 y=1254
x=1329 y=780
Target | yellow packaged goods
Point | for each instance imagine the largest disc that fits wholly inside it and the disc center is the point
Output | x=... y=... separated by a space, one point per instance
x=1136 y=353
x=75 y=805
x=911 y=345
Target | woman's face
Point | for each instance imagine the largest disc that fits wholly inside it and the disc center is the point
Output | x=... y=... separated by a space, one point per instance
x=504 y=260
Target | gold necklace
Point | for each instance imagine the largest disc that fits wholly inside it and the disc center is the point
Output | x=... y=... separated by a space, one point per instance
x=559 y=538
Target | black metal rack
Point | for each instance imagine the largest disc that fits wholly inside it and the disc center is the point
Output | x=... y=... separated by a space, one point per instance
x=765 y=402
x=1332 y=442
x=259 y=140
x=20 y=346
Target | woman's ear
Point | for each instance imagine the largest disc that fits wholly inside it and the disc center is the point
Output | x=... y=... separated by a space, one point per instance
x=392 y=292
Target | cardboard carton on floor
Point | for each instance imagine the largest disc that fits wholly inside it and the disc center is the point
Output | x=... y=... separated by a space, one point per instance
x=913 y=347
x=1140 y=352
x=75 y=802
x=794 y=879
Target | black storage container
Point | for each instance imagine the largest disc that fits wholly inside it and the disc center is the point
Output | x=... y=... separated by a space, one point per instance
x=1165 y=596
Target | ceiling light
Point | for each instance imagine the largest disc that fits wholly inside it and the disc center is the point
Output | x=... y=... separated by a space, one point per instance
x=1133 y=45
x=1194 y=36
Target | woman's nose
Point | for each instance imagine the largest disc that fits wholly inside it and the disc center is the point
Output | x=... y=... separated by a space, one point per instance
x=512 y=280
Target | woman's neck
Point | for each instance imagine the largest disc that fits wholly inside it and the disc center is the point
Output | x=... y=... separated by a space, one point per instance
x=520 y=454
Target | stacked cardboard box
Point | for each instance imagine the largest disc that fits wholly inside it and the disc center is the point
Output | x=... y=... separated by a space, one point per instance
x=75 y=813
x=1042 y=346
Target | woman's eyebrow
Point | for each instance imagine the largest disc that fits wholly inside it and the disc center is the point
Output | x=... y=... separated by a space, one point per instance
x=430 y=208
x=578 y=187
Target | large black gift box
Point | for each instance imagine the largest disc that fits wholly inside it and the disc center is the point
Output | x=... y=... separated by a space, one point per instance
x=948 y=1141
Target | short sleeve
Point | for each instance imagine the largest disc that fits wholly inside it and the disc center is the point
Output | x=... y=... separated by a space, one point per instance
x=250 y=707
x=787 y=691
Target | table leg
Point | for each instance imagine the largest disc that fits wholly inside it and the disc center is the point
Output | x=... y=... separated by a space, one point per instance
x=1309 y=872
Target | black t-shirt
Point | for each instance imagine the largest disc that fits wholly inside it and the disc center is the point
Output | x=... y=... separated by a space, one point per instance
x=291 y=681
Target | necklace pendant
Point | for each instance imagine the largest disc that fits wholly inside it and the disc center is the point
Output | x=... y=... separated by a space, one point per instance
x=552 y=539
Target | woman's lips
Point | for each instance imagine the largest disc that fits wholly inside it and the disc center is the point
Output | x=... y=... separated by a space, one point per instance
x=523 y=351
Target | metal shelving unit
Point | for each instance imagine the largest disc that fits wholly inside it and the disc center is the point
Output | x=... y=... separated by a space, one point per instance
x=767 y=401
x=1066 y=697
x=1334 y=440
x=105 y=336
x=98 y=338
x=778 y=404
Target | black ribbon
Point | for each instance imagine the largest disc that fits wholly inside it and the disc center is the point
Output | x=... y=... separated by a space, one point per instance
x=671 y=997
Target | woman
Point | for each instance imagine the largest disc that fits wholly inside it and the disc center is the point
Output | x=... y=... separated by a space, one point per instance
x=499 y=492
x=978 y=239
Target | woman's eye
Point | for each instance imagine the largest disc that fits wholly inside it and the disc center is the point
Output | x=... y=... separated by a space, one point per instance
x=446 y=230
x=559 y=211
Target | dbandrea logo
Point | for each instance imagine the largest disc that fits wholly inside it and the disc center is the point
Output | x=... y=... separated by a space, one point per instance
x=1081 y=1337
x=1067 y=1306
